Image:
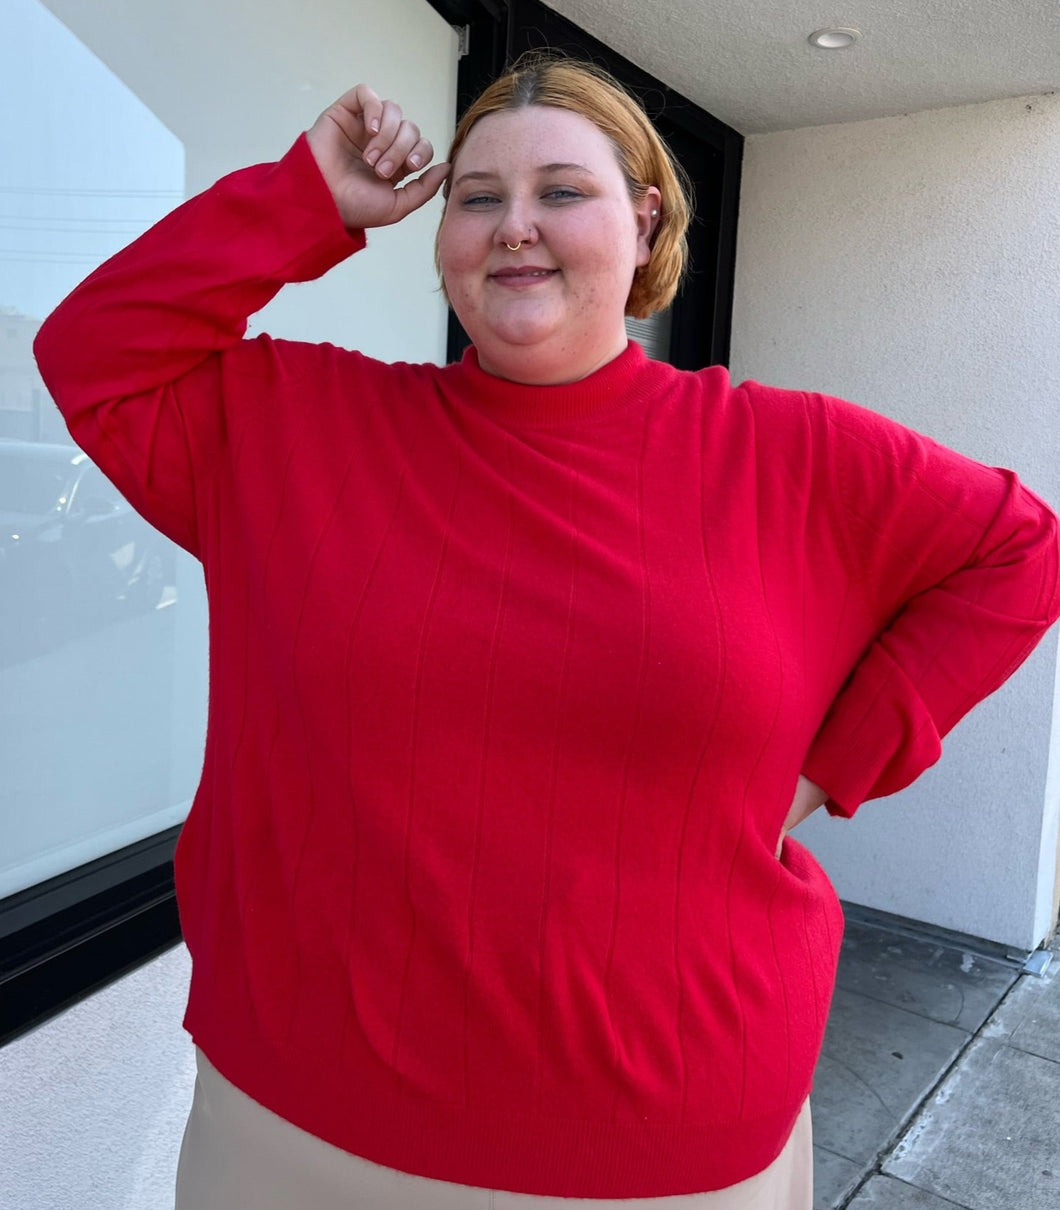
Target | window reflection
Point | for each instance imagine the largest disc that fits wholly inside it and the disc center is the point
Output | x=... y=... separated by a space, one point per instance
x=74 y=556
x=102 y=636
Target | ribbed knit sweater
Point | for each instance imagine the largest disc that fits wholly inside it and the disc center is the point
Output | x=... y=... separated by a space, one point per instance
x=509 y=691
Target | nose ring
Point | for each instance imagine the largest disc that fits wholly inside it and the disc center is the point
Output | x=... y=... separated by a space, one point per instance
x=513 y=247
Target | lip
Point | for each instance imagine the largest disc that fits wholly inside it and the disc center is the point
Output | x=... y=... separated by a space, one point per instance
x=523 y=275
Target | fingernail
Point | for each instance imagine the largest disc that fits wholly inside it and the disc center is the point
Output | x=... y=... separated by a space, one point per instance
x=374 y=125
x=415 y=160
x=371 y=156
x=385 y=168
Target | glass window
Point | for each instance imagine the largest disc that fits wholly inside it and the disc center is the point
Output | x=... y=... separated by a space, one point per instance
x=91 y=597
x=115 y=112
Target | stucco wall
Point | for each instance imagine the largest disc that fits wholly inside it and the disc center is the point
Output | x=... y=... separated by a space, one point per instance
x=913 y=264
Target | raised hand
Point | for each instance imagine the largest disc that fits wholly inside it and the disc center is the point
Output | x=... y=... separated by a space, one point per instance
x=365 y=148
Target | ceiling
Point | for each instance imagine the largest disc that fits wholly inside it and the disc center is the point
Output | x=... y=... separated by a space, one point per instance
x=748 y=62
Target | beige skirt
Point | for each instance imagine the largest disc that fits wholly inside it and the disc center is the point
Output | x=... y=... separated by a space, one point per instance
x=238 y=1154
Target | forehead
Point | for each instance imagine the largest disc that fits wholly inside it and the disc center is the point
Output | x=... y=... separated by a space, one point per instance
x=535 y=135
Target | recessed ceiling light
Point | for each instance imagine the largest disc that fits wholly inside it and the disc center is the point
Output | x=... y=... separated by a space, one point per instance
x=834 y=39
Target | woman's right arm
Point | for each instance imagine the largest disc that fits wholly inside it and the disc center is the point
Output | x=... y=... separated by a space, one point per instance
x=132 y=356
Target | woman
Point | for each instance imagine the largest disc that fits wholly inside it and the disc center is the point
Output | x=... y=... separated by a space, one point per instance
x=521 y=670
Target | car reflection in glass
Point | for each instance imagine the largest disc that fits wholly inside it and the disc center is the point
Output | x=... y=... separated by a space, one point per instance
x=74 y=555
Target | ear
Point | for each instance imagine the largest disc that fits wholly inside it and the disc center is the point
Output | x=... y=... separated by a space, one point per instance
x=647 y=212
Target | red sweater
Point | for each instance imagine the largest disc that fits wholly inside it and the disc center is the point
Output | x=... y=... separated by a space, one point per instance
x=509 y=691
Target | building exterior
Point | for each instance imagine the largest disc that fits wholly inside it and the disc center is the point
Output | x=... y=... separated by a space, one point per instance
x=909 y=261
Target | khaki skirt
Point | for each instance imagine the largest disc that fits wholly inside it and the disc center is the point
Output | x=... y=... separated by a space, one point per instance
x=238 y=1154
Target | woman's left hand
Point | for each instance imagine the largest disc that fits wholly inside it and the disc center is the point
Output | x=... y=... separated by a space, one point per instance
x=808 y=797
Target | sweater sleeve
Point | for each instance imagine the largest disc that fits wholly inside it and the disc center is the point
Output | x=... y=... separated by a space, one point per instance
x=133 y=357
x=957 y=564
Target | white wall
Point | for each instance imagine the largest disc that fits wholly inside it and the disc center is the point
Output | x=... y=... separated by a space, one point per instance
x=236 y=81
x=913 y=264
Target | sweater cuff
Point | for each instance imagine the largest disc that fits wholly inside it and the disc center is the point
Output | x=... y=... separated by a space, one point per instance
x=299 y=180
x=877 y=738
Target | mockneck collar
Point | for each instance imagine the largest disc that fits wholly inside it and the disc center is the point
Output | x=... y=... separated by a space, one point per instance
x=613 y=385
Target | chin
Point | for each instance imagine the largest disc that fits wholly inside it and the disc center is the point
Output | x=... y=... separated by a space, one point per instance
x=521 y=337
x=511 y=351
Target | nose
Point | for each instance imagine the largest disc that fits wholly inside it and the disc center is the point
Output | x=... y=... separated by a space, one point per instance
x=516 y=227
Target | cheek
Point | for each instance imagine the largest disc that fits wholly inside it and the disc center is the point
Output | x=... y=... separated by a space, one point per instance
x=600 y=243
x=457 y=248
x=605 y=270
x=455 y=262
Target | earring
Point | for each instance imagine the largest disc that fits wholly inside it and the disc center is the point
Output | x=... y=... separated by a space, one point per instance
x=655 y=214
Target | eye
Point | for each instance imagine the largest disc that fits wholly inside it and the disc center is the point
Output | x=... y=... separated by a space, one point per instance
x=562 y=194
x=479 y=200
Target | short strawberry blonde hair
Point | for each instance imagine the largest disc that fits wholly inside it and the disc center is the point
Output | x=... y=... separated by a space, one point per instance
x=645 y=160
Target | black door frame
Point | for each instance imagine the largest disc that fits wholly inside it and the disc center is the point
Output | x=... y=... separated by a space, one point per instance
x=71 y=935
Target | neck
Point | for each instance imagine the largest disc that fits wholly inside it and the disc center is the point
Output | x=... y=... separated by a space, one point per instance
x=533 y=366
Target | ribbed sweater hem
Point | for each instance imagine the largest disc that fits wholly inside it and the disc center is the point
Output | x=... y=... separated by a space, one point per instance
x=486 y=1146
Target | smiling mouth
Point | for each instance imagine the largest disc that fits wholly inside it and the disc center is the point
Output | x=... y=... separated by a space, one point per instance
x=520 y=275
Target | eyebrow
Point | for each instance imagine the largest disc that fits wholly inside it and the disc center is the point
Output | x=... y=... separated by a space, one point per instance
x=543 y=170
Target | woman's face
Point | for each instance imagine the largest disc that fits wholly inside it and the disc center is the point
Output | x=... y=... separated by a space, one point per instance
x=546 y=179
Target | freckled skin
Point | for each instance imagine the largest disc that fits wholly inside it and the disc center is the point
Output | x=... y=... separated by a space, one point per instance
x=547 y=178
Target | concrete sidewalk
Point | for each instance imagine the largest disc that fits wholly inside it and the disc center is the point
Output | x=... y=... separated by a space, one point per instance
x=939 y=1085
